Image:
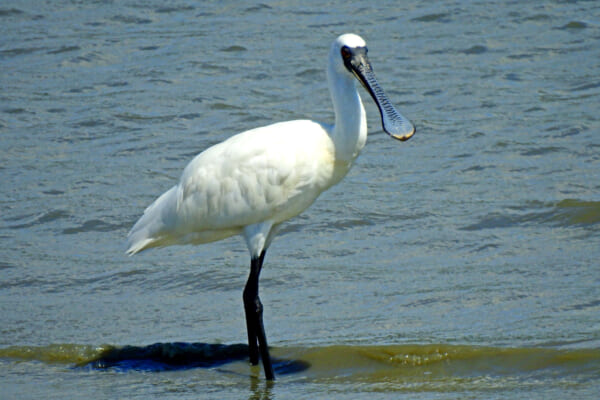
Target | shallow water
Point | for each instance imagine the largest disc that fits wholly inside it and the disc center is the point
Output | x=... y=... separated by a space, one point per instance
x=340 y=370
x=460 y=264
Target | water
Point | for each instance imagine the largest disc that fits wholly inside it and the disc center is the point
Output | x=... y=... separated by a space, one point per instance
x=460 y=264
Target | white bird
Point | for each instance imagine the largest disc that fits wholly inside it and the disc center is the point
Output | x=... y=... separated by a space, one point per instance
x=252 y=182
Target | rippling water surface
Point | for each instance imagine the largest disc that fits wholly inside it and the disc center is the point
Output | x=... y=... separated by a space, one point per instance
x=460 y=264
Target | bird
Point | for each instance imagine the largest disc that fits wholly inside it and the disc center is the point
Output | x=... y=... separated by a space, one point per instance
x=252 y=182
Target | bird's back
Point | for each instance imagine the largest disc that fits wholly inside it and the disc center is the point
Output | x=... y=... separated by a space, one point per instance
x=270 y=173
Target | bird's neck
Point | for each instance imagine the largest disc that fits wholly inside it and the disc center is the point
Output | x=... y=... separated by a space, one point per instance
x=349 y=133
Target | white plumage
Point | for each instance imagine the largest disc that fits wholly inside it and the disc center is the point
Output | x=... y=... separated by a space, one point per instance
x=252 y=182
x=269 y=174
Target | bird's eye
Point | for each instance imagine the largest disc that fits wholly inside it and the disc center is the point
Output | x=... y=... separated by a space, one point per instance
x=346 y=53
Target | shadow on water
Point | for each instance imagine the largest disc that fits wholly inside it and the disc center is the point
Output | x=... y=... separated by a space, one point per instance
x=180 y=356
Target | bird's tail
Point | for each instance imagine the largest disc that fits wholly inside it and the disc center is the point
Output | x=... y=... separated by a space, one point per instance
x=151 y=230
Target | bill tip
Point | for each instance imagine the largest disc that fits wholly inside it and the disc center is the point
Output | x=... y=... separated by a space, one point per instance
x=405 y=136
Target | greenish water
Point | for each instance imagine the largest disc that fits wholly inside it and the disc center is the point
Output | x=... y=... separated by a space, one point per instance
x=460 y=264
x=360 y=369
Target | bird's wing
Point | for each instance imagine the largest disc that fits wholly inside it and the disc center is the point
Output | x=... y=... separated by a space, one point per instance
x=270 y=173
x=265 y=173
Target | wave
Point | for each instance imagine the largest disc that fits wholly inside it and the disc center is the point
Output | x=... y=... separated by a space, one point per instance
x=566 y=213
x=413 y=363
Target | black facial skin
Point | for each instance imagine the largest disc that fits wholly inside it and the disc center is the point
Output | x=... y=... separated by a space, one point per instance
x=356 y=61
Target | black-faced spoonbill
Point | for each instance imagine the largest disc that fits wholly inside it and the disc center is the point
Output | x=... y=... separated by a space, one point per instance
x=252 y=182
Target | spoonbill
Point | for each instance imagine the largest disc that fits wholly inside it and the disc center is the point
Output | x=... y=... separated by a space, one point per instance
x=252 y=182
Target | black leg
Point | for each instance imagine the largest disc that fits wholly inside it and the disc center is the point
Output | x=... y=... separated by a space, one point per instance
x=251 y=308
x=257 y=340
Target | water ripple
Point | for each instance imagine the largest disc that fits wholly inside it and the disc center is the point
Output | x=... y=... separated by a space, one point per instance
x=94 y=225
x=569 y=212
x=436 y=17
x=38 y=219
x=7 y=12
